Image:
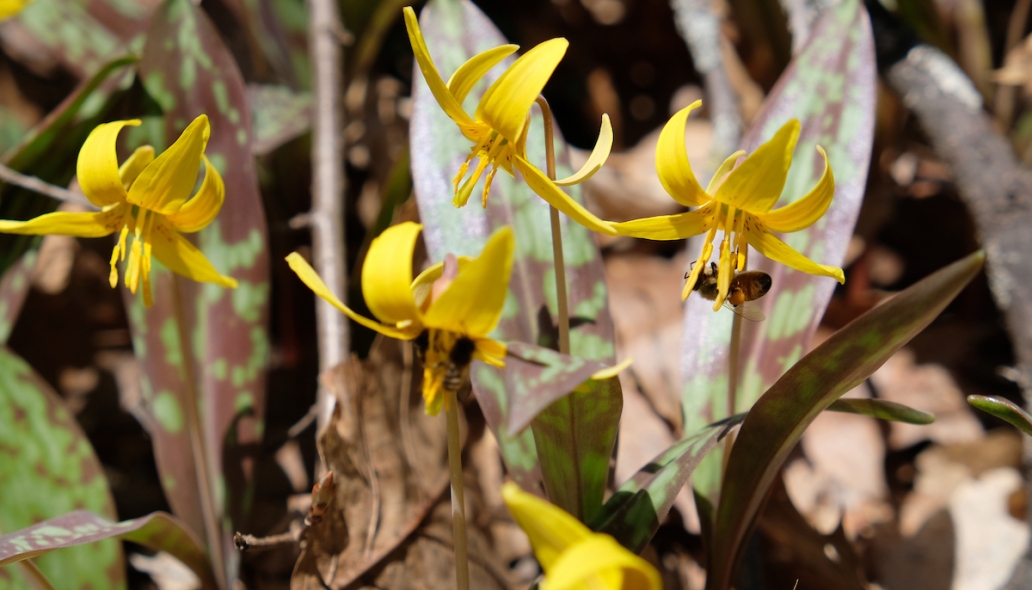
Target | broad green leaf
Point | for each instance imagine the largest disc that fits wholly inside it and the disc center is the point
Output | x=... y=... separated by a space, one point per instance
x=456 y=30
x=50 y=149
x=1003 y=409
x=777 y=420
x=882 y=410
x=220 y=356
x=633 y=514
x=830 y=87
x=81 y=529
x=47 y=468
x=278 y=115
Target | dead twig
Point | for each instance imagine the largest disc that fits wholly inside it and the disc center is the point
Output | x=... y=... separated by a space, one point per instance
x=46 y=189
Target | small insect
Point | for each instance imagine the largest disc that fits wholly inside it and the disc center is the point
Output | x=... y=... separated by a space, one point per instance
x=745 y=288
x=457 y=370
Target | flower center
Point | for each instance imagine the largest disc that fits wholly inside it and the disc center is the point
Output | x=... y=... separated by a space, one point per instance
x=139 y=264
x=490 y=149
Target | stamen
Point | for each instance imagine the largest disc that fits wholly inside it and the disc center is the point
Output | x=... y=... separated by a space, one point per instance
x=700 y=264
x=462 y=197
x=132 y=277
x=741 y=245
x=724 y=273
x=487 y=184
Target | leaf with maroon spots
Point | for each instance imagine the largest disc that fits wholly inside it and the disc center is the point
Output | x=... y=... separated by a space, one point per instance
x=47 y=468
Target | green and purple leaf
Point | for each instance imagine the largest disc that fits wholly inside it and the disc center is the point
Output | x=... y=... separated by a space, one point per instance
x=82 y=529
x=830 y=87
x=540 y=376
x=47 y=468
x=455 y=30
x=882 y=410
x=776 y=422
x=221 y=357
x=278 y=115
x=1003 y=409
x=14 y=287
x=636 y=510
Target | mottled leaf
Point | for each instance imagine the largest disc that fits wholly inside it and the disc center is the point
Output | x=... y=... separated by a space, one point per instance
x=455 y=30
x=219 y=358
x=14 y=287
x=82 y=529
x=50 y=149
x=277 y=30
x=882 y=410
x=278 y=115
x=777 y=420
x=535 y=377
x=47 y=468
x=1003 y=409
x=636 y=510
x=830 y=87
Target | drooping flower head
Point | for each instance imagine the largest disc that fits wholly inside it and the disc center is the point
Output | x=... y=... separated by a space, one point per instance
x=148 y=197
x=738 y=201
x=450 y=326
x=498 y=127
x=574 y=557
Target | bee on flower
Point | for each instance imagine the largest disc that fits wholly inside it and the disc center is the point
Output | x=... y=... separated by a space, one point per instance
x=739 y=201
x=146 y=196
x=498 y=128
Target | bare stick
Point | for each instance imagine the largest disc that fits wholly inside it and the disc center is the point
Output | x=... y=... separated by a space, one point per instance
x=327 y=215
x=44 y=188
x=458 y=500
x=557 y=234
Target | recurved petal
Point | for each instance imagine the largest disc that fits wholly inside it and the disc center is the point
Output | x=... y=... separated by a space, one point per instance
x=600 y=562
x=387 y=274
x=131 y=168
x=490 y=351
x=670 y=227
x=97 y=166
x=312 y=280
x=167 y=182
x=596 y=159
x=202 y=209
x=182 y=257
x=469 y=73
x=551 y=529
x=726 y=166
x=547 y=190
x=672 y=165
x=505 y=104
x=807 y=210
x=81 y=225
x=473 y=303
x=448 y=102
x=755 y=185
x=770 y=246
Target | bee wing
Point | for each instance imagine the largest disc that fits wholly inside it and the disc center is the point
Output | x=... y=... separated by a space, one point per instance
x=749 y=310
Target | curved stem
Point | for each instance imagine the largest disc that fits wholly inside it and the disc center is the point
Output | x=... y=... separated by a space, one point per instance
x=557 y=234
x=458 y=500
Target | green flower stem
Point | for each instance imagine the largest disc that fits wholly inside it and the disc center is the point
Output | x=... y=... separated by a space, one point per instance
x=458 y=501
x=557 y=235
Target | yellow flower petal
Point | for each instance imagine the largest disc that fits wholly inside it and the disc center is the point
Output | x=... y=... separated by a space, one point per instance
x=505 y=104
x=807 y=210
x=613 y=371
x=473 y=302
x=596 y=159
x=97 y=166
x=9 y=8
x=551 y=529
x=131 y=168
x=82 y=225
x=726 y=166
x=311 y=279
x=167 y=183
x=469 y=73
x=424 y=283
x=448 y=102
x=547 y=190
x=490 y=351
x=672 y=165
x=600 y=562
x=387 y=274
x=182 y=257
x=756 y=184
x=202 y=209
x=770 y=246
x=670 y=227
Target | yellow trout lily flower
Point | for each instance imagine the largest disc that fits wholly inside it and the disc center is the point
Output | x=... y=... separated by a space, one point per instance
x=739 y=201
x=147 y=196
x=574 y=557
x=451 y=329
x=9 y=8
x=498 y=127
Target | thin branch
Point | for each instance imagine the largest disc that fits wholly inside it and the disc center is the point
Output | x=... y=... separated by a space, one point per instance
x=34 y=184
x=327 y=215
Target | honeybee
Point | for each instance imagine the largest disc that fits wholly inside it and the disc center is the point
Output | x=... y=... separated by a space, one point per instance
x=746 y=287
x=456 y=368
